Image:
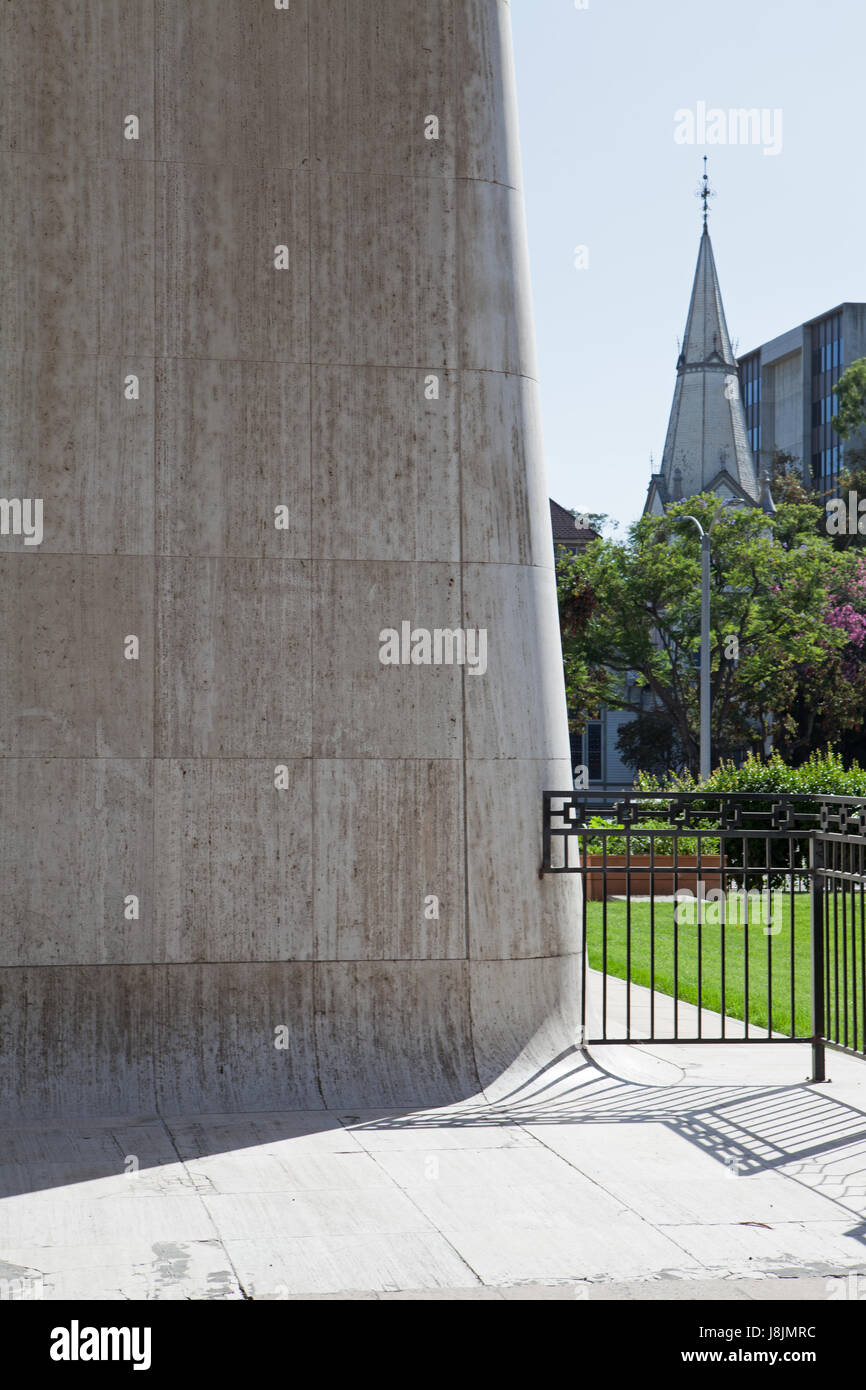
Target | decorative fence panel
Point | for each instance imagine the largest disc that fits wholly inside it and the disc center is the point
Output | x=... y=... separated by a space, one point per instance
x=718 y=918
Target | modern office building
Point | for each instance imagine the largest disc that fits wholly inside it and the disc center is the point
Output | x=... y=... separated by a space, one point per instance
x=787 y=390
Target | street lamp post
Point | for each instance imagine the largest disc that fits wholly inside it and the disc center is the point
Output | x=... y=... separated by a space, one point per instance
x=706 y=736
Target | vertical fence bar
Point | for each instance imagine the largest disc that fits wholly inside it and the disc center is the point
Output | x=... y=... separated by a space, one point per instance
x=817 y=933
x=843 y=893
x=584 y=859
x=545 y=834
x=723 y=859
x=652 y=880
x=826 y=890
x=792 y=948
x=862 y=951
x=746 y=848
x=604 y=934
x=627 y=931
x=767 y=903
x=855 y=1023
x=676 y=939
x=834 y=885
x=701 y=897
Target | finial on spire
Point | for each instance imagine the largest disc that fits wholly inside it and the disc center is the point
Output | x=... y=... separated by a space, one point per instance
x=705 y=193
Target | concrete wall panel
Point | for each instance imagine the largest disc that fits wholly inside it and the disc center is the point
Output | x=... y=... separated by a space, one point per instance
x=232 y=83
x=489 y=147
x=49 y=101
x=216 y=1035
x=785 y=425
x=234 y=858
x=362 y=708
x=69 y=436
x=505 y=505
x=514 y=913
x=384 y=271
x=76 y=1041
x=524 y=1026
x=378 y=71
x=390 y=1032
x=496 y=326
x=389 y=838
x=66 y=688
x=233 y=670
x=80 y=235
x=219 y=292
x=404 y=510
x=79 y=845
x=517 y=705
x=233 y=443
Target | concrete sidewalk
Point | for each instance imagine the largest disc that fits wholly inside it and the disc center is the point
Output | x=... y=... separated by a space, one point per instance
x=686 y=1172
x=633 y=1011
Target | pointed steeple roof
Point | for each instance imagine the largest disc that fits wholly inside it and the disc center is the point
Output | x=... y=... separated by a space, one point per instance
x=707 y=446
x=706 y=338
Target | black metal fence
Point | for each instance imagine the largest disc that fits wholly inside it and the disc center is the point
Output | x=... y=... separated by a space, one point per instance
x=718 y=918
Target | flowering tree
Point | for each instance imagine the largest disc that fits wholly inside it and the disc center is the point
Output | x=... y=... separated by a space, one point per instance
x=834 y=690
x=847 y=612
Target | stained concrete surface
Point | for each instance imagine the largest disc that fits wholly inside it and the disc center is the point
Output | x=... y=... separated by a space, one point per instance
x=381 y=387
x=686 y=1176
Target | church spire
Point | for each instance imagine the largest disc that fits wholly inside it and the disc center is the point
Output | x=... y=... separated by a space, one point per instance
x=707 y=446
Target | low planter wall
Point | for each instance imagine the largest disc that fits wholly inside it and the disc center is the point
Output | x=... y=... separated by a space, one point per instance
x=661 y=882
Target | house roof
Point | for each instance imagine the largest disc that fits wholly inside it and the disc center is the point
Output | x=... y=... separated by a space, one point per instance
x=566 y=531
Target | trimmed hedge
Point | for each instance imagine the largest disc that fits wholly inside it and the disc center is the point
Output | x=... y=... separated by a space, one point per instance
x=640 y=844
x=824 y=774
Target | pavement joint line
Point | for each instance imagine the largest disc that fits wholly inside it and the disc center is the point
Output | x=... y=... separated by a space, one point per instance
x=204 y=1206
x=434 y=1228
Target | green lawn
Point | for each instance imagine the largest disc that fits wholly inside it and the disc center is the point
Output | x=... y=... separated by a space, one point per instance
x=760 y=973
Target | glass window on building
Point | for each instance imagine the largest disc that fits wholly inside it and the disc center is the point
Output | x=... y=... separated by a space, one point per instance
x=594 y=742
x=827 y=355
x=750 y=389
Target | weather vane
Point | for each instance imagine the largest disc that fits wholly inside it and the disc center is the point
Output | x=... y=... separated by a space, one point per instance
x=705 y=193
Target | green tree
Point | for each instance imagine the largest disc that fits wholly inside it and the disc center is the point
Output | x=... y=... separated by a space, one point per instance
x=786 y=478
x=851 y=479
x=850 y=394
x=633 y=635
x=649 y=743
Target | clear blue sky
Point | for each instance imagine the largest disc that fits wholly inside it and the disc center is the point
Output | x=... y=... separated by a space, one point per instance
x=598 y=89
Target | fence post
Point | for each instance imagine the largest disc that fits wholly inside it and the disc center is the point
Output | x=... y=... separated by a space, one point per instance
x=816 y=929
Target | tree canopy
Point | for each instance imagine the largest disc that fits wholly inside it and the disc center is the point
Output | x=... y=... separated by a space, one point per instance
x=788 y=628
x=850 y=393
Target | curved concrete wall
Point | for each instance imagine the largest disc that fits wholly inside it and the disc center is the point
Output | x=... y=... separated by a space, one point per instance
x=306 y=906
